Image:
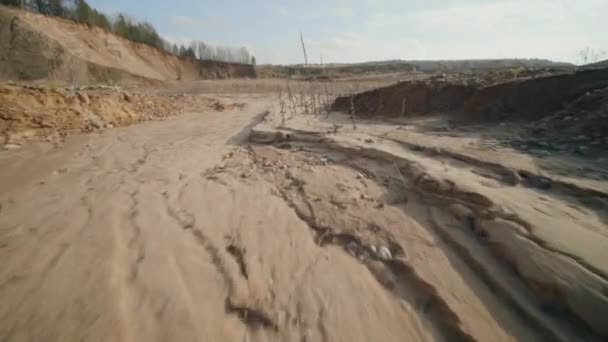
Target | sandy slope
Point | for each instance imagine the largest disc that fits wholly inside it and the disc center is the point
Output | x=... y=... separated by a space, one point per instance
x=172 y=231
x=36 y=47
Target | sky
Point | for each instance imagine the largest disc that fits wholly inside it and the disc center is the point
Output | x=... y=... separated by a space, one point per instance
x=370 y=30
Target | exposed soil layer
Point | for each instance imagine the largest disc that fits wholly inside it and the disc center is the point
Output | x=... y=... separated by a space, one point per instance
x=34 y=47
x=534 y=98
x=408 y=97
x=472 y=98
x=581 y=127
x=51 y=114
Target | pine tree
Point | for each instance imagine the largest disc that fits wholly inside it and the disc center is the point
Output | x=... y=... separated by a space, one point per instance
x=83 y=11
x=14 y=3
x=56 y=8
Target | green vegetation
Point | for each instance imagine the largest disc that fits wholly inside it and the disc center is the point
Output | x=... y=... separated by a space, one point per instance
x=126 y=27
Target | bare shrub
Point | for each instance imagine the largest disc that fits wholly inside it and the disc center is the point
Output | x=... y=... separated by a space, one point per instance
x=352 y=106
x=292 y=100
x=282 y=106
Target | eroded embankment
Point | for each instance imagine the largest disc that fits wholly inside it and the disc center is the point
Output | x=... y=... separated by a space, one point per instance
x=522 y=99
x=558 y=293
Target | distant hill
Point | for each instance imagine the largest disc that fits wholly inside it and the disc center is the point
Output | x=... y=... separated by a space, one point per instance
x=391 y=66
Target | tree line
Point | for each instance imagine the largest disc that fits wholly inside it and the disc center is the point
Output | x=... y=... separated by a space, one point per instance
x=129 y=28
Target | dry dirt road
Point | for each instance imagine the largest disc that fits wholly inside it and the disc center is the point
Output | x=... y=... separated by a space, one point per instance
x=173 y=230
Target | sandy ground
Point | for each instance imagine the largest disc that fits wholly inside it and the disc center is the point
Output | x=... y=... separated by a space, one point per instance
x=179 y=230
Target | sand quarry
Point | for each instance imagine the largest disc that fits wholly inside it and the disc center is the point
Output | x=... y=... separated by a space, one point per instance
x=442 y=207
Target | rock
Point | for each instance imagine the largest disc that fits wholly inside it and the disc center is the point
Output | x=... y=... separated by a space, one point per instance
x=126 y=97
x=109 y=126
x=567 y=118
x=543 y=144
x=373 y=249
x=541 y=153
x=12 y=147
x=369 y=141
x=289 y=174
x=582 y=150
x=384 y=254
x=95 y=121
x=84 y=98
x=352 y=248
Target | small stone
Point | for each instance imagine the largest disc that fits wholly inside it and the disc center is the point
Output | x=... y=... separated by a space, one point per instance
x=95 y=121
x=84 y=98
x=109 y=126
x=541 y=153
x=374 y=249
x=567 y=118
x=12 y=147
x=352 y=248
x=385 y=254
x=369 y=141
x=582 y=150
x=221 y=166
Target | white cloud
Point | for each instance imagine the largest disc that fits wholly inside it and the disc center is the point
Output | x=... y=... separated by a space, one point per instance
x=344 y=12
x=553 y=29
x=282 y=11
x=215 y=23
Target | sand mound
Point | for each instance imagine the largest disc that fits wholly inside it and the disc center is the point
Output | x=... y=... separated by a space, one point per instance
x=35 y=47
x=27 y=112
